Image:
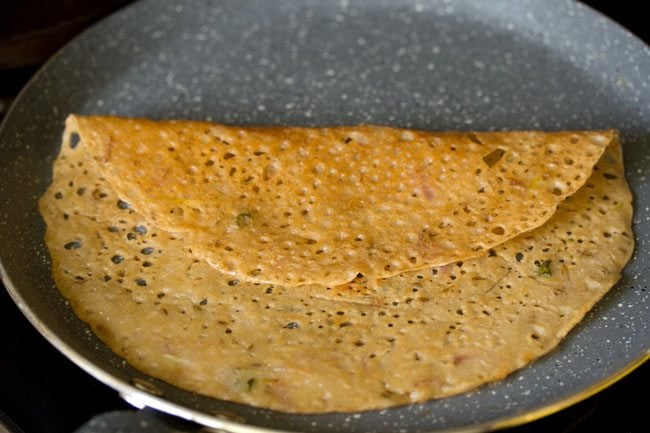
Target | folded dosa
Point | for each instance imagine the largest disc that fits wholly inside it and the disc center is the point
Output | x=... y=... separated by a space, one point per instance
x=410 y=337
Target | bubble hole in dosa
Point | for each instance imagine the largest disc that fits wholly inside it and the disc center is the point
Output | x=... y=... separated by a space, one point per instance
x=361 y=338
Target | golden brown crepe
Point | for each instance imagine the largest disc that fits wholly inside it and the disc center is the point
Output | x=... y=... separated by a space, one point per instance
x=295 y=206
x=411 y=337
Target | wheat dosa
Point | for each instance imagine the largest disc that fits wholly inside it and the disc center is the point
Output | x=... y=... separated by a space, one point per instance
x=407 y=338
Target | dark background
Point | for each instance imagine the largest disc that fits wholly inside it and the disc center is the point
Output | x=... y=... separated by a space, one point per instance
x=41 y=391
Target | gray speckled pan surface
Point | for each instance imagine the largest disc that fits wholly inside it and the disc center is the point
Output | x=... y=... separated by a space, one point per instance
x=438 y=65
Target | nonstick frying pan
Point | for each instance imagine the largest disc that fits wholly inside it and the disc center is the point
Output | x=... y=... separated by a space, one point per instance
x=429 y=64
